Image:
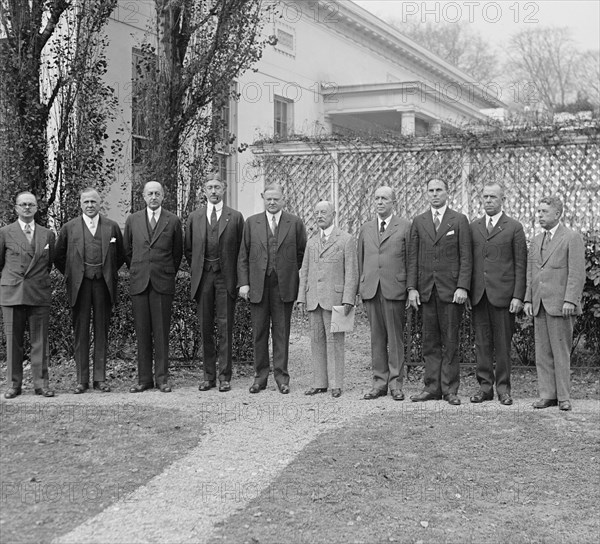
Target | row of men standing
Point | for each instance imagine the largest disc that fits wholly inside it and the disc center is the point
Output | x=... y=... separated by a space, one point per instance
x=433 y=264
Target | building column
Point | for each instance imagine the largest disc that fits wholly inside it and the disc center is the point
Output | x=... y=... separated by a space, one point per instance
x=408 y=123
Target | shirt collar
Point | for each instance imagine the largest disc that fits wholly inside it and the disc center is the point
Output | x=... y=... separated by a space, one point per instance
x=327 y=232
x=22 y=224
x=218 y=207
x=93 y=222
x=494 y=218
x=277 y=216
x=156 y=213
x=386 y=219
x=441 y=211
x=553 y=230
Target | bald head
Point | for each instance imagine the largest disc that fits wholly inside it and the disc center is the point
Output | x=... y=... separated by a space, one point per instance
x=153 y=195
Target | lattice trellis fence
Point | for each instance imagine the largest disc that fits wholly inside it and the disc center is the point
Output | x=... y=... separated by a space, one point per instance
x=349 y=176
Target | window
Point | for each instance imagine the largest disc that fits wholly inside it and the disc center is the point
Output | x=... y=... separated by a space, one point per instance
x=228 y=127
x=284 y=117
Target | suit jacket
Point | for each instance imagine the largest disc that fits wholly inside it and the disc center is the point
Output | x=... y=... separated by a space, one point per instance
x=231 y=228
x=329 y=273
x=69 y=255
x=252 y=260
x=559 y=277
x=25 y=270
x=499 y=261
x=153 y=257
x=383 y=260
x=441 y=258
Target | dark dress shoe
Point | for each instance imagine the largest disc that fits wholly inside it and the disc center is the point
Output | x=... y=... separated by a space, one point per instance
x=284 y=389
x=12 y=393
x=139 y=388
x=206 y=385
x=565 y=405
x=505 y=399
x=315 y=390
x=44 y=392
x=453 y=399
x=224 y=387
x=374 y=393
x=481 y=397
x=81 y=388
x=397 y=394
x=544 y=403
x=336 y=393
x=102 y=386
x=165 y=388
x=256 y=387
x=425 y=395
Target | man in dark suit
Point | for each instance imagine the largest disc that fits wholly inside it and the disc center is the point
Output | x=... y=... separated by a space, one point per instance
x=270 y=258
x=555 y=280
x=328 y=278
x=439 y=276
x=212 y=242
x=26 y=253
x=382 y=263
x=89 y=252
x=497 y=292
x=153 y=251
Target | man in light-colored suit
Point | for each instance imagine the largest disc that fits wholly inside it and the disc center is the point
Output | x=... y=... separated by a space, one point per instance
x=497 y=292
x=555 y=280
x=26 y=253
x=268 y=276
x=212 y=242
x=153 y=251
x=439 y=276
x=89 y=252
x=328 y=277
x=382 y=266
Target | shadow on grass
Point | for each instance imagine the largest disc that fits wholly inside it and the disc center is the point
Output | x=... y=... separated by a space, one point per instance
x=424 y=476
x=61 y=464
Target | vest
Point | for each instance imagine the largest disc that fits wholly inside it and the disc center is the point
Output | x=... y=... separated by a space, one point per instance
x=272 y=249
x=92 y=253
x=211 y=253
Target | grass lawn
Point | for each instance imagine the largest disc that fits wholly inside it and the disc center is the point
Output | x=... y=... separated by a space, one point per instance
x=433 y=477
x=61 y=464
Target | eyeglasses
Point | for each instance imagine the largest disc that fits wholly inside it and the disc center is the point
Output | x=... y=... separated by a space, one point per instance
x=27 y=205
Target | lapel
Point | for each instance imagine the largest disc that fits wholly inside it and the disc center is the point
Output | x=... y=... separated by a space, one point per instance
x=262 y=226
x=497 y=227
x=224 y=220
x=445 y=224
x=160 y=226
x=105 y=235
x=40 y=243
x=553 y=244
x=427 y=220
x=20 y=238
x=283 y=228
x=202 y=221
x=79 y=236
x=391 y=228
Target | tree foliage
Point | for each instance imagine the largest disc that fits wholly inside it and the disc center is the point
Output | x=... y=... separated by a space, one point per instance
x=547 y=59
x=53 y=102
x=456 y=43
x=191 y=58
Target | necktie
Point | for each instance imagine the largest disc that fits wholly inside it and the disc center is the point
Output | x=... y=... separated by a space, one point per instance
x=323 y=238
x=436 y=221
x=91 y=228
x=213 y=217
x=153 y=221
x=273 y=225
x=490 y=226
x=381 y=228
x=546 y=242
x=28 y=233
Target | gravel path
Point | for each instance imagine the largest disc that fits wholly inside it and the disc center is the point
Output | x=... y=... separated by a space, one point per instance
x=249 y=440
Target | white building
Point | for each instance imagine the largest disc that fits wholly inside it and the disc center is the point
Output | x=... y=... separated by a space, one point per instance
x=335 y=68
